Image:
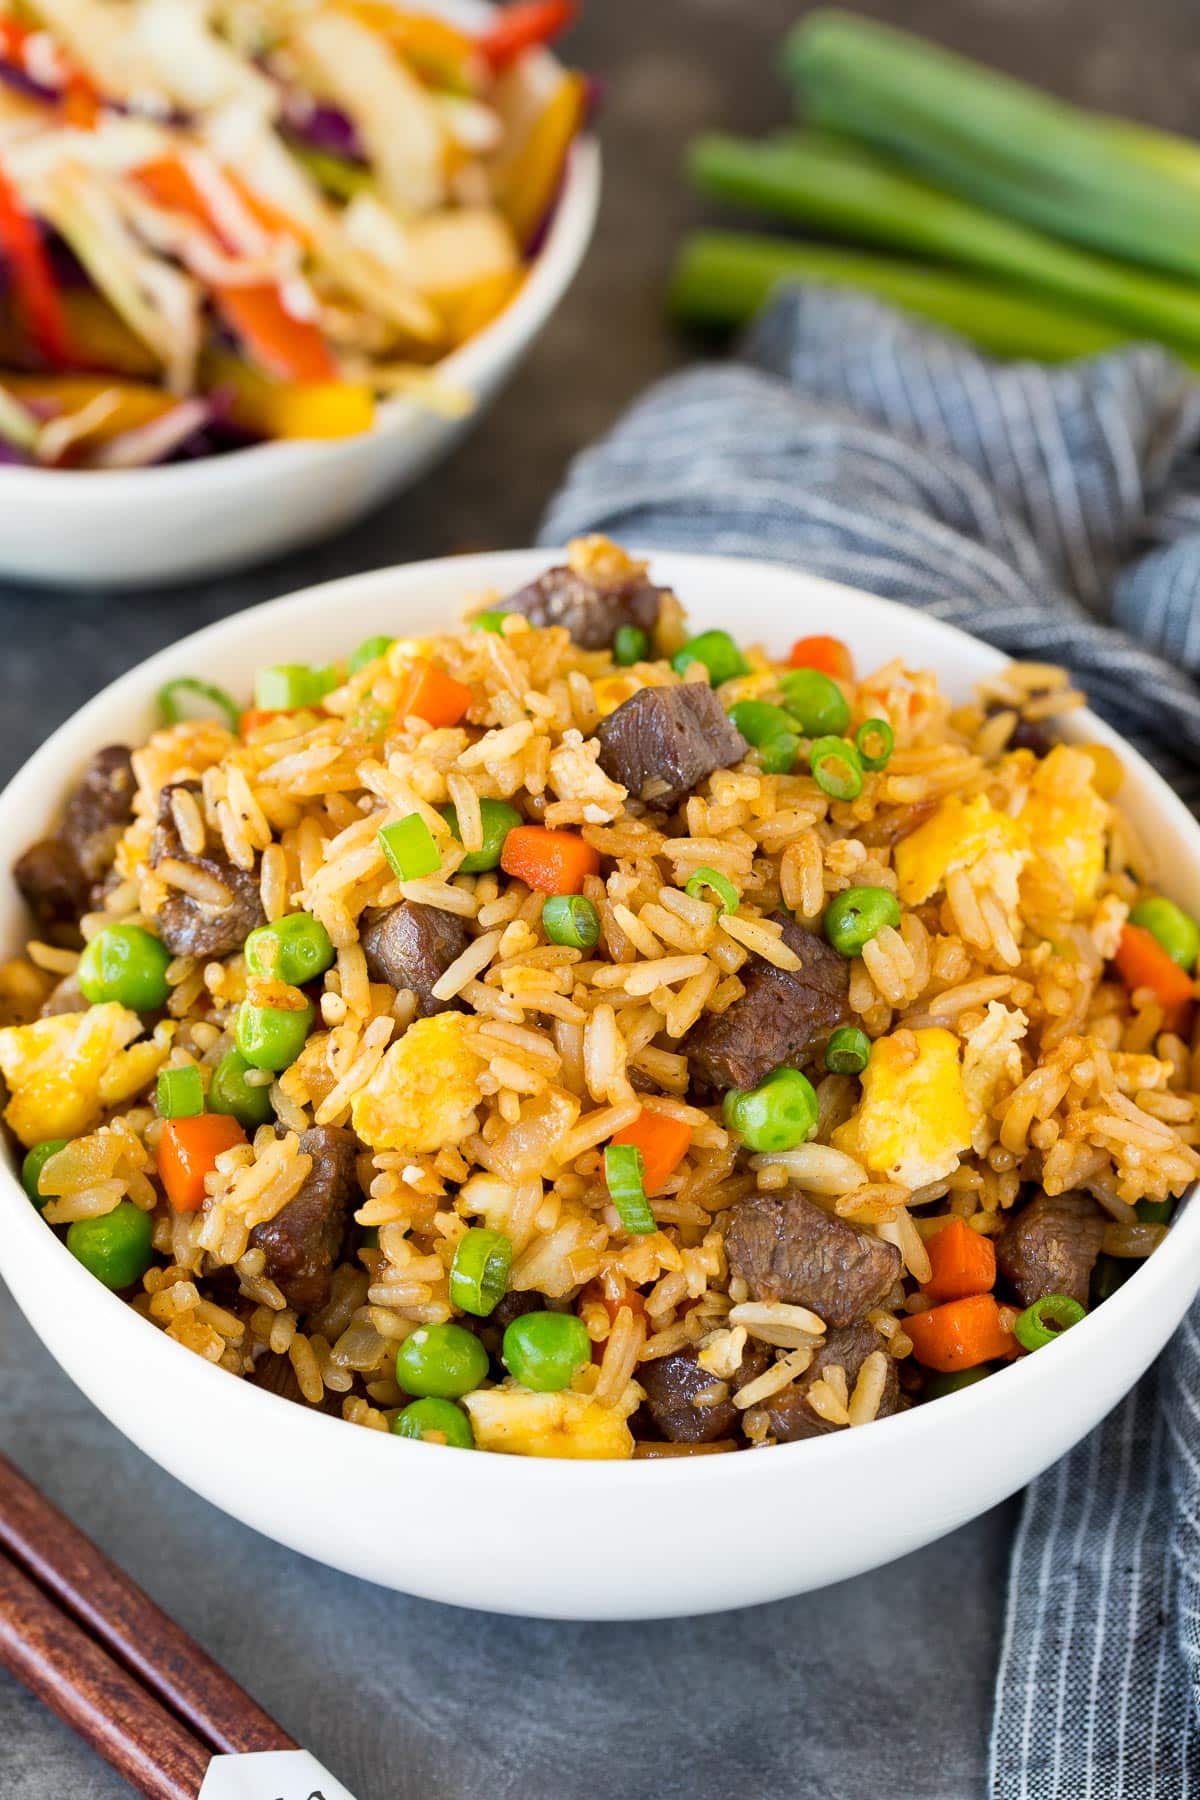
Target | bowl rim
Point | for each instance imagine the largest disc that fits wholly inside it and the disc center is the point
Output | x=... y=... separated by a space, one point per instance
x=550 y=272
x=1073 y=1352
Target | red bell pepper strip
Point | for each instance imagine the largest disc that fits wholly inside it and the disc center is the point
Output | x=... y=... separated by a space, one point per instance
x=290 y=348
x=523 y=27
x=22 y=245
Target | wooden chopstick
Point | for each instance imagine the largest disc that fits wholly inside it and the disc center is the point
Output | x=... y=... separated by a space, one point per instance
x=73 y=1624
x=100 y=1700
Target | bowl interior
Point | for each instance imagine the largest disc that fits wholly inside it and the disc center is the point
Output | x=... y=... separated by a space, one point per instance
x=762 y=603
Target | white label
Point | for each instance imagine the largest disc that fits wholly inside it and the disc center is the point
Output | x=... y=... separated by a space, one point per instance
x=271 y=1775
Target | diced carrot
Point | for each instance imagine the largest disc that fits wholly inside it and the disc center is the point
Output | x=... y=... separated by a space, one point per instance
x=1141 y=962
x=963 y=1263
x=430 y=694
x=828 y=654
x=255 y=717
x=553 y=862
x=188 y=1150
x=612 y=1300
x=663 y=1142
x=522 y=27
x=962 y=1333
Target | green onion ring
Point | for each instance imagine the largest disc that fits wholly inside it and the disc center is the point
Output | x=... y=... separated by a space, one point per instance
x=624 y=1173
x=882 y=733
x=826 y=757
x=718 y=884
x=173 y=714
x=1047 y=1319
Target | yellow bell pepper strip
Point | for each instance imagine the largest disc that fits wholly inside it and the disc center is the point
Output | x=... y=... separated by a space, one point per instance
x=524 y=26
x=467 y=310
x=531 y=176
x=273 y=409
x=22 y=246
x=134 y=403
x=437 y=51
x=285 y=346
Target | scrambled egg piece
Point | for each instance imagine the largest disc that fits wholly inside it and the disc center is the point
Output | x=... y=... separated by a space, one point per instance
x=991 y=1059
x=423 y=1095
x=612 y=691
x=55 y=1066
x=959 y=836
x=913 y=1123
x=1066 y=818
x=520 y=1423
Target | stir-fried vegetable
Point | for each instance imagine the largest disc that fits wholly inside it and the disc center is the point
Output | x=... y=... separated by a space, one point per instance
x=270 y=217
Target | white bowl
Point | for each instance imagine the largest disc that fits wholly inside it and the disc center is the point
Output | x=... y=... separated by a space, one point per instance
x=563 y=1539
x=138 y=527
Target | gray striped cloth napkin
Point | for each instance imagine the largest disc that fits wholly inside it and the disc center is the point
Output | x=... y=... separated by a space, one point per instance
x=1056 y=513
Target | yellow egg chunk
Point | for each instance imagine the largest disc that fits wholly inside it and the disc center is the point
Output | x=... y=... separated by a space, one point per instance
x=1067 y=820
x=423 y=1095
x=958 y=836
x=913 y=1123
x=54 y=1069
x=612 y=691
x=520 y=1423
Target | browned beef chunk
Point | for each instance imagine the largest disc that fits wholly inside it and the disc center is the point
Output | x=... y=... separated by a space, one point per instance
x=514 y=1305
x=593 y=614
x=661 y=742
x=189 y=927
x=99 y=810
x=303 y=1242
x=792 y=1418
x=676 y=1387
x=54 y=886
x=1050 y=1246
x=785 y=1248
x=58 y=875
x=412 y=946
x=783 y=1017
x=1029 y=734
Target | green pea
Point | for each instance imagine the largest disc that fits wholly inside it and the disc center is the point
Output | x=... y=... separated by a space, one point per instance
x=492 y=620
x=848 y=1051
x=717 y=651
x=852 y=918
x=442 y=1361
x=1175 y=930
x=115 y=1248
x=543 y=1350
x=759 y=721
x=780 y=1113
x=436 y=1421
x=230 y=1092
x=294 y=949
x=272 y=1037
x=937 y=1386
x=35 y=1161
x=370 y=650
x=127 y=964
x=778 y=755
x=816 y=701
x=630 y=645
x=499 y=818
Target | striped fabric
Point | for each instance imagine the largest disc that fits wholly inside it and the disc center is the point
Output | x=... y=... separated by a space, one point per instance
x=1056 y=513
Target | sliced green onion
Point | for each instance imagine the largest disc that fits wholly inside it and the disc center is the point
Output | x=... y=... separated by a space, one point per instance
x=624 y=1172
x=290 y=686
x=938 y=1386
x=492 y=620
x=369 y=651
x=409 y=847
x=172 y=712
x=572 y=920
x=480 y=1270
x=875 y=740
x=1047 y=1319
x=630 y=645
x=848 y=1051
x=179 y=1092
x=716 y=883
x=836 y=767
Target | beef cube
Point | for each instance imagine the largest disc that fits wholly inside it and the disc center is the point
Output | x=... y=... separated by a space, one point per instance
x=1050 y=1246
x=783 y=1017
x=59 y=876
x=662 y=742
x=303 y=1241
x=53 y=885
x=412 y=946
x=676 y=1387
x=785 y=1248
x=590 y=611
x=190 y=927
x=790 y=1416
